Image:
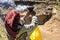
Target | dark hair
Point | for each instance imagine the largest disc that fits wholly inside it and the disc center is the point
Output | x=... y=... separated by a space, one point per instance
x=33 y=12
x=30 y=9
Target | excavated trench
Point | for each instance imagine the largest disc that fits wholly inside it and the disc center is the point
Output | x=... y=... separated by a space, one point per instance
x=43 y=18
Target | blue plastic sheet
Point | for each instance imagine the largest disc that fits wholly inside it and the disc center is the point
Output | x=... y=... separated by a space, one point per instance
x=7 y=3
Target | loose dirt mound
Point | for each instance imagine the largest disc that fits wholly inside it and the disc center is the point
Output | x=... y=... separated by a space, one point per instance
x=51 y=29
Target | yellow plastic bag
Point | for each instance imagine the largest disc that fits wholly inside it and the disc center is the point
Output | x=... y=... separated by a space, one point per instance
x=36 y=34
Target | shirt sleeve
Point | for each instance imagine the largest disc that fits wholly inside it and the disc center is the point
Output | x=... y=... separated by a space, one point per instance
x=33 y=23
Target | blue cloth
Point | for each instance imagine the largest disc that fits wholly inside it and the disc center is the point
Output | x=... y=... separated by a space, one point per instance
x=7 y=3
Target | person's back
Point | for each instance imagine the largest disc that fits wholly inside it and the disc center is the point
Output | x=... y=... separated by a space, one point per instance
x=11 y=23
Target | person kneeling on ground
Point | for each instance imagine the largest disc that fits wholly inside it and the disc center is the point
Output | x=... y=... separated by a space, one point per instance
x=28 y=27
